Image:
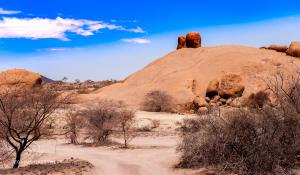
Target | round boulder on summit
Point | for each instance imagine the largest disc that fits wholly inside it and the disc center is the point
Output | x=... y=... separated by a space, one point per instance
x=193 y=40
x=181 y=42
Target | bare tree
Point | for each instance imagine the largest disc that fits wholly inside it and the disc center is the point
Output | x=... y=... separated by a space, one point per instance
x=126 y=118
x=23 y=113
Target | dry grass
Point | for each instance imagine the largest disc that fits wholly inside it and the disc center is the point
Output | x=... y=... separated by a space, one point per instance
x=70 y=167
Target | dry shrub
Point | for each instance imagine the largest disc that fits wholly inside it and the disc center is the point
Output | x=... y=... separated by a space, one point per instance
x=157 y=101
x=102 y=119
x=243 y=142
x=74 y=122
x=258 y=100
x=107 y=116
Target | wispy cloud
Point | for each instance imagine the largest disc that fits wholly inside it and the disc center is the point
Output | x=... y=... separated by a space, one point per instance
x=136 y=40
x=123 y=21
x=8 y=12
x=136 y=30
x=38 y=28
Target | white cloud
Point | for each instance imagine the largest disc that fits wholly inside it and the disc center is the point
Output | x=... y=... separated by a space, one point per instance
x=38 y=28
x=8 y=12
x=136 y=40
x=136 y=30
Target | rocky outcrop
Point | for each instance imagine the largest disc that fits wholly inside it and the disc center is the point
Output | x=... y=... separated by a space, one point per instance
x=20 y=77
x=192 y=40
x=294 y=49
x=231 y=86
x=278 y=48
x=181 y=42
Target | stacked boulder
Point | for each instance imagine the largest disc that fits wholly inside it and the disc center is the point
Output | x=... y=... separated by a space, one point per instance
x=220 y=93
x=191 y=40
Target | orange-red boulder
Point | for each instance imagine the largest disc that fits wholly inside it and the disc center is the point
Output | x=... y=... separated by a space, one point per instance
x=294 y=49
x=181 y=42
x=193 y=40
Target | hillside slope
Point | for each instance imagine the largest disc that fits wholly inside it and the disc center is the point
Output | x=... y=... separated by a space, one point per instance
x=185 y=73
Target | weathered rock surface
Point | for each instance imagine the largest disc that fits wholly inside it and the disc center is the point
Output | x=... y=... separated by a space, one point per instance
x=20 y=77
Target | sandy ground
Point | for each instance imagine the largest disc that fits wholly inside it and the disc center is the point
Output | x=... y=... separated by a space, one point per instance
x=151 y=154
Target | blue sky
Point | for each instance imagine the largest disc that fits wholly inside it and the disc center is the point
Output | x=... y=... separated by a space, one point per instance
x=95 y=39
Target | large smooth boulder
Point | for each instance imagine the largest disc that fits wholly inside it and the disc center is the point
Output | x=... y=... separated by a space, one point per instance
x=193 y=40
x=212 y=88
x=294 y=49
x=231 y=86
x=20 y=77
x=278 y=48
x=181 y=42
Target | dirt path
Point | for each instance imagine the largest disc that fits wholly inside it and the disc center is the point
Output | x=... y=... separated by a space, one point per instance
x=151 y=156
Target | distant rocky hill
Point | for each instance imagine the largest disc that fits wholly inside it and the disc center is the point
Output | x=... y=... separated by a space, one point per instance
x=47 y=80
